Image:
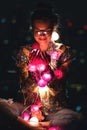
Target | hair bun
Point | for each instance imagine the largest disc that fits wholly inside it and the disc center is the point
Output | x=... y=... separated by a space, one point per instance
x=44 y=6
x=44 y=11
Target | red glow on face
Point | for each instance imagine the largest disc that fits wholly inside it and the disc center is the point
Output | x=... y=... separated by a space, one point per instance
x=58 y=74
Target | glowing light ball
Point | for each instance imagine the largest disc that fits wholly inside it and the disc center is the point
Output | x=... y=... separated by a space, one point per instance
x=31 y=67
x=46 y=76
x=25 y=116
x=41 y=67
x=55 y=36
x=33 y=121
x=34 y=108
x=58 y=74
x=54 y=55
x=42 y=83
x=54 y=128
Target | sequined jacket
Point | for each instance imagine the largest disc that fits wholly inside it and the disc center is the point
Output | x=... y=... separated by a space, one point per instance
x=33 y=64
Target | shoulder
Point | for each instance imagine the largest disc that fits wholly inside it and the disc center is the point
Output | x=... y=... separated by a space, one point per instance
x=23 y=54
x=61 y=46
x=35 y=45
x=24 y=50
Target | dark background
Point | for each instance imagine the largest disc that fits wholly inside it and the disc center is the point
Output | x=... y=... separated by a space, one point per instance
x=14 y=32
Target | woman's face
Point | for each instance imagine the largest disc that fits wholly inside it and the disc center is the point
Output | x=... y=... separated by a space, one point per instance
x=42 y=33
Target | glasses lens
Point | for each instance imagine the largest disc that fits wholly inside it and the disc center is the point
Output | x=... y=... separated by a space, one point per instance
x=43 y=32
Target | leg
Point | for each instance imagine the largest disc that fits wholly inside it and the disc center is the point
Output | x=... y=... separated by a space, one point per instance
x=9 y=111
x=66 y=118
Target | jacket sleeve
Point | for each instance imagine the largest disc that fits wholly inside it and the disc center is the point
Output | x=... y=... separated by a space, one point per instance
x=65 y=58
x=63 y=62
x=22 y=62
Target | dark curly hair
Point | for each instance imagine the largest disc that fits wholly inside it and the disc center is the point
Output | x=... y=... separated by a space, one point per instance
x=44 y=11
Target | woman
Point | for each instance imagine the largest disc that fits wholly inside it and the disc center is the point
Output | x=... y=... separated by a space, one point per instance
x=43 y=70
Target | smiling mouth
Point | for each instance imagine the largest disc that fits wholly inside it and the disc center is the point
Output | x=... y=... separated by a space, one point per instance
x=42 y=39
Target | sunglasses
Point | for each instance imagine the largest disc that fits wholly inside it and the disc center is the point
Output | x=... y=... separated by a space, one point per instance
x=46 y=32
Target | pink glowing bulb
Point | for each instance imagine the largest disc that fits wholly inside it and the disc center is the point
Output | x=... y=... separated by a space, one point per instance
x=42 y=83
x=55 y=128
x=34 y=108
x=58 y=74
x=46 y=76
x=41 y=67
x=31 y=67
x=54 y=55
x=52 y=128
x=25 y=116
